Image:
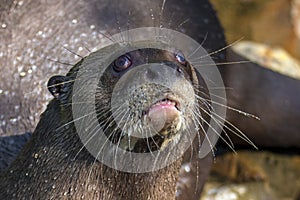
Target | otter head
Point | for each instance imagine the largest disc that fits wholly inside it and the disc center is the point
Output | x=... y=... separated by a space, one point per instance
x=144 y=99
x=149 y=99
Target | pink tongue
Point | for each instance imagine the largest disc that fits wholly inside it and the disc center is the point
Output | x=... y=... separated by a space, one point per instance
x=162 y=115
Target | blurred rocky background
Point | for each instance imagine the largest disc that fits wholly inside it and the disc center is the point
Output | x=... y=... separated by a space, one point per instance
x=269 y=31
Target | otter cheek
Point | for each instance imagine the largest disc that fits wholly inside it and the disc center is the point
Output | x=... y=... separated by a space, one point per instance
x=162 y=116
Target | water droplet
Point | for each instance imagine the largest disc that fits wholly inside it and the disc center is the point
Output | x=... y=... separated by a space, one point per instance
x=74 y=21
x=39 y=33
x=3 y=26
x=22 y=74
x=187 y=168
x=83 y=35
x=34 y=67
x=13 y=120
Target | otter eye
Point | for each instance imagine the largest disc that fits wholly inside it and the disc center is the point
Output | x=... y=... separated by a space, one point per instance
x=180 y=57
x=122 y=63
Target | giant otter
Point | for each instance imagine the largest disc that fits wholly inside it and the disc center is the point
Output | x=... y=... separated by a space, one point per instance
x=50 y=160
x=58 y=165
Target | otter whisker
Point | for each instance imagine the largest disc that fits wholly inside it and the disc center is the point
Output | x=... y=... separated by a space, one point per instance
x=204 y=39
x=95 y=159
x=74 y=120
x=90 y=137
x=171 y=20
x=213 y=118
x=76 y=54
x=218 y=88
x=152 y=16
x=233 y=109
x=190 y=133
x=197 y=116
x=207 y=104
x=161 y=13
x=84 y=145
x=60 y=62
x=200 y=64
x=222 y=125
x=147 y=137
x=182 y=23
x=156 y=160
x=123 y=43
x=108 y=37
x=219 y=50
x=77 y=103
x=236 y=131
x=85 y=45
x=128 y=24
x=61 y=83
x=204 y=101
x=123 y=132
x=105 y=142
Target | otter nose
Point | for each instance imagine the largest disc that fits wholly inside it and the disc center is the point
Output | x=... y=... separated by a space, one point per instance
x=152 y=73
x=160 y=72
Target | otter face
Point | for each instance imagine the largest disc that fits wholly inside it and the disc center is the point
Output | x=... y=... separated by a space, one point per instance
x=149 y=99
x=139 y=105
x=145 y=100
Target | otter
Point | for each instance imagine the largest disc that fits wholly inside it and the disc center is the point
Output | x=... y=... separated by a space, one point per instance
x=59 y=150
x=48 y=160
x=56 y=161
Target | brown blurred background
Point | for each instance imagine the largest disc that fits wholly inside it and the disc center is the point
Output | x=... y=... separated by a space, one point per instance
x=273 y=22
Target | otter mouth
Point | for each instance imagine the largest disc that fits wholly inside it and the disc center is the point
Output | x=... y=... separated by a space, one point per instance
x=166 y=102
x=164 y=116
x=160 y=124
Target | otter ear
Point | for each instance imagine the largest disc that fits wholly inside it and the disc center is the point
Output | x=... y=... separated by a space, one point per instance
x=55 y=85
